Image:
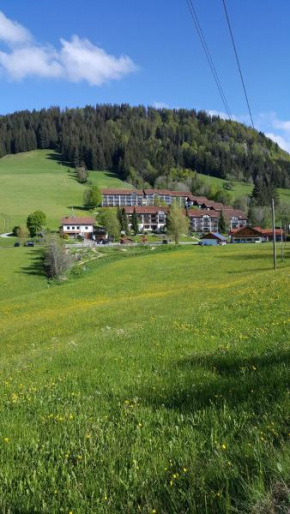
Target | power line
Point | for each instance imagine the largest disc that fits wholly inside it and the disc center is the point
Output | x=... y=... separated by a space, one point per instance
x=238 y=61
x=208 y=56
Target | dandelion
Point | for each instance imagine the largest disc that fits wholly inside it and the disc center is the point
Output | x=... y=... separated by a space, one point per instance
x=185 y=470
x=6 y=439
x=224 y=446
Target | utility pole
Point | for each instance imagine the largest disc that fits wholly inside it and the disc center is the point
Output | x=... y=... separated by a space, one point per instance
x=274 y=234
x=282 y=242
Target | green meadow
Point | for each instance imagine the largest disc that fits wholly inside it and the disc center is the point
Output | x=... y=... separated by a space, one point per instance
x=152 y=381
x=38 y=180
x=242 y=188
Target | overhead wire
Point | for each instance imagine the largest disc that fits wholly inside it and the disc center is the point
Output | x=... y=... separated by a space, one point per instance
x=208 y=56
x=238 y=61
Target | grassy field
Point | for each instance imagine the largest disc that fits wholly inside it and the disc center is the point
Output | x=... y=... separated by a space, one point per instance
x=157 y=382
x=37 y=180
x=242 y=188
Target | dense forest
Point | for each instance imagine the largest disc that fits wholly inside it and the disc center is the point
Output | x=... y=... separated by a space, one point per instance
x=147 y=145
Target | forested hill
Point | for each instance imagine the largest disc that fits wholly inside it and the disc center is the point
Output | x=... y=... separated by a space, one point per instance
x=146 y=145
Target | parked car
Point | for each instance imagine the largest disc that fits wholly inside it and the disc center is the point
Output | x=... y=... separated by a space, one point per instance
x=17 y=244
x=29 y=243
x=165 y=242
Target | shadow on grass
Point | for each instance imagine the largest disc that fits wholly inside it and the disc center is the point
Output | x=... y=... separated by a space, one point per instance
x=55 y=156
x=213 y=379
x=36 y=264
x=79 y=208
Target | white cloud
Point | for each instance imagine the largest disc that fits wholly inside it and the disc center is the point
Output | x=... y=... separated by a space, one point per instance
x=221 y=114
x=280 y=140
x=32 y=60
x=268 y=123
x=160 y=105
x=77 y=60
x=81 y=60
x=12 y=32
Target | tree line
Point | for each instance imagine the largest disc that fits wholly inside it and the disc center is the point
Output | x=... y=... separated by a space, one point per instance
x=148 y=146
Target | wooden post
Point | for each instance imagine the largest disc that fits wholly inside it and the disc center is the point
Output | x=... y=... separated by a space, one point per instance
x=282 y=242
x=274 y=234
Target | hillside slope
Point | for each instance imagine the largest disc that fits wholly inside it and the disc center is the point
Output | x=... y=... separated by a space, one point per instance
x=145 y=144
x=38 y=180
x=154 y=383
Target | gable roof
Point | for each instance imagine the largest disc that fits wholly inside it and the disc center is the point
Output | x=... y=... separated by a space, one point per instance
x=247 y=232
x=200 y=213
x=145 y=209
x=214 y=235
x=121 y=192
x=74 y=220
x=237 y=213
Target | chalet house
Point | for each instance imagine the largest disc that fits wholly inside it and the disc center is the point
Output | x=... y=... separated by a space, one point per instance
x=247 y=235
x=213 y=239
x=201 y=221
x=74 y=227
x=268 y=234
x=150 y=218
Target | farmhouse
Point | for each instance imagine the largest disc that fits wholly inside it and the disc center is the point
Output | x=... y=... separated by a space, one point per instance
x=74 y=227
x=268 y=233
x=247 y=235
x=213 y=239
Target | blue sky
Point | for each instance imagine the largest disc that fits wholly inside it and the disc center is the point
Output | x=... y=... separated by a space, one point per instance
x=74 y=53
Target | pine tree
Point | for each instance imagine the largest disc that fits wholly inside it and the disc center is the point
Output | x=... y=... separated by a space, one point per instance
x=222 y=224
x=123 y=220
x=135 y=222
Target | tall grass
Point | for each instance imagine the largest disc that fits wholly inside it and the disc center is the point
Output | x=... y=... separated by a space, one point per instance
x=157 y=382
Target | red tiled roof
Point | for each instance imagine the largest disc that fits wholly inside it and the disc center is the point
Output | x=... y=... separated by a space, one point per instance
x=228 y=212
x=199 y=199
x=248 y=231
x=269 y=231
x=166 y=192
x=73 y=220
x=121 y=192
x=199 y=213
x=145 y=209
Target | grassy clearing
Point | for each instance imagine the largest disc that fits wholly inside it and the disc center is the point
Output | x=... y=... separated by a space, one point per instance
x=242 y=188
x=155 y=382
x=38 y=180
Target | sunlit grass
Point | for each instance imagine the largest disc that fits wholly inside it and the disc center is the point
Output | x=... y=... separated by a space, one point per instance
x=153 y=382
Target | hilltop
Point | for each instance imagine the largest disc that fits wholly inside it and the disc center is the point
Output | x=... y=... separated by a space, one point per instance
x=147 y=145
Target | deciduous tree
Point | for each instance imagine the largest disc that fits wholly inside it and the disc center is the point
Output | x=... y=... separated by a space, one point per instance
x=176 y=223
x=35 y=222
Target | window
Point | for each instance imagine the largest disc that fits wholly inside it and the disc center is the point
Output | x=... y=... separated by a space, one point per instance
x=86 y=228
x=78 y=228
x=73 y=228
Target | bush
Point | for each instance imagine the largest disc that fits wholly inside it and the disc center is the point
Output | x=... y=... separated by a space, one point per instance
x=56 y=260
